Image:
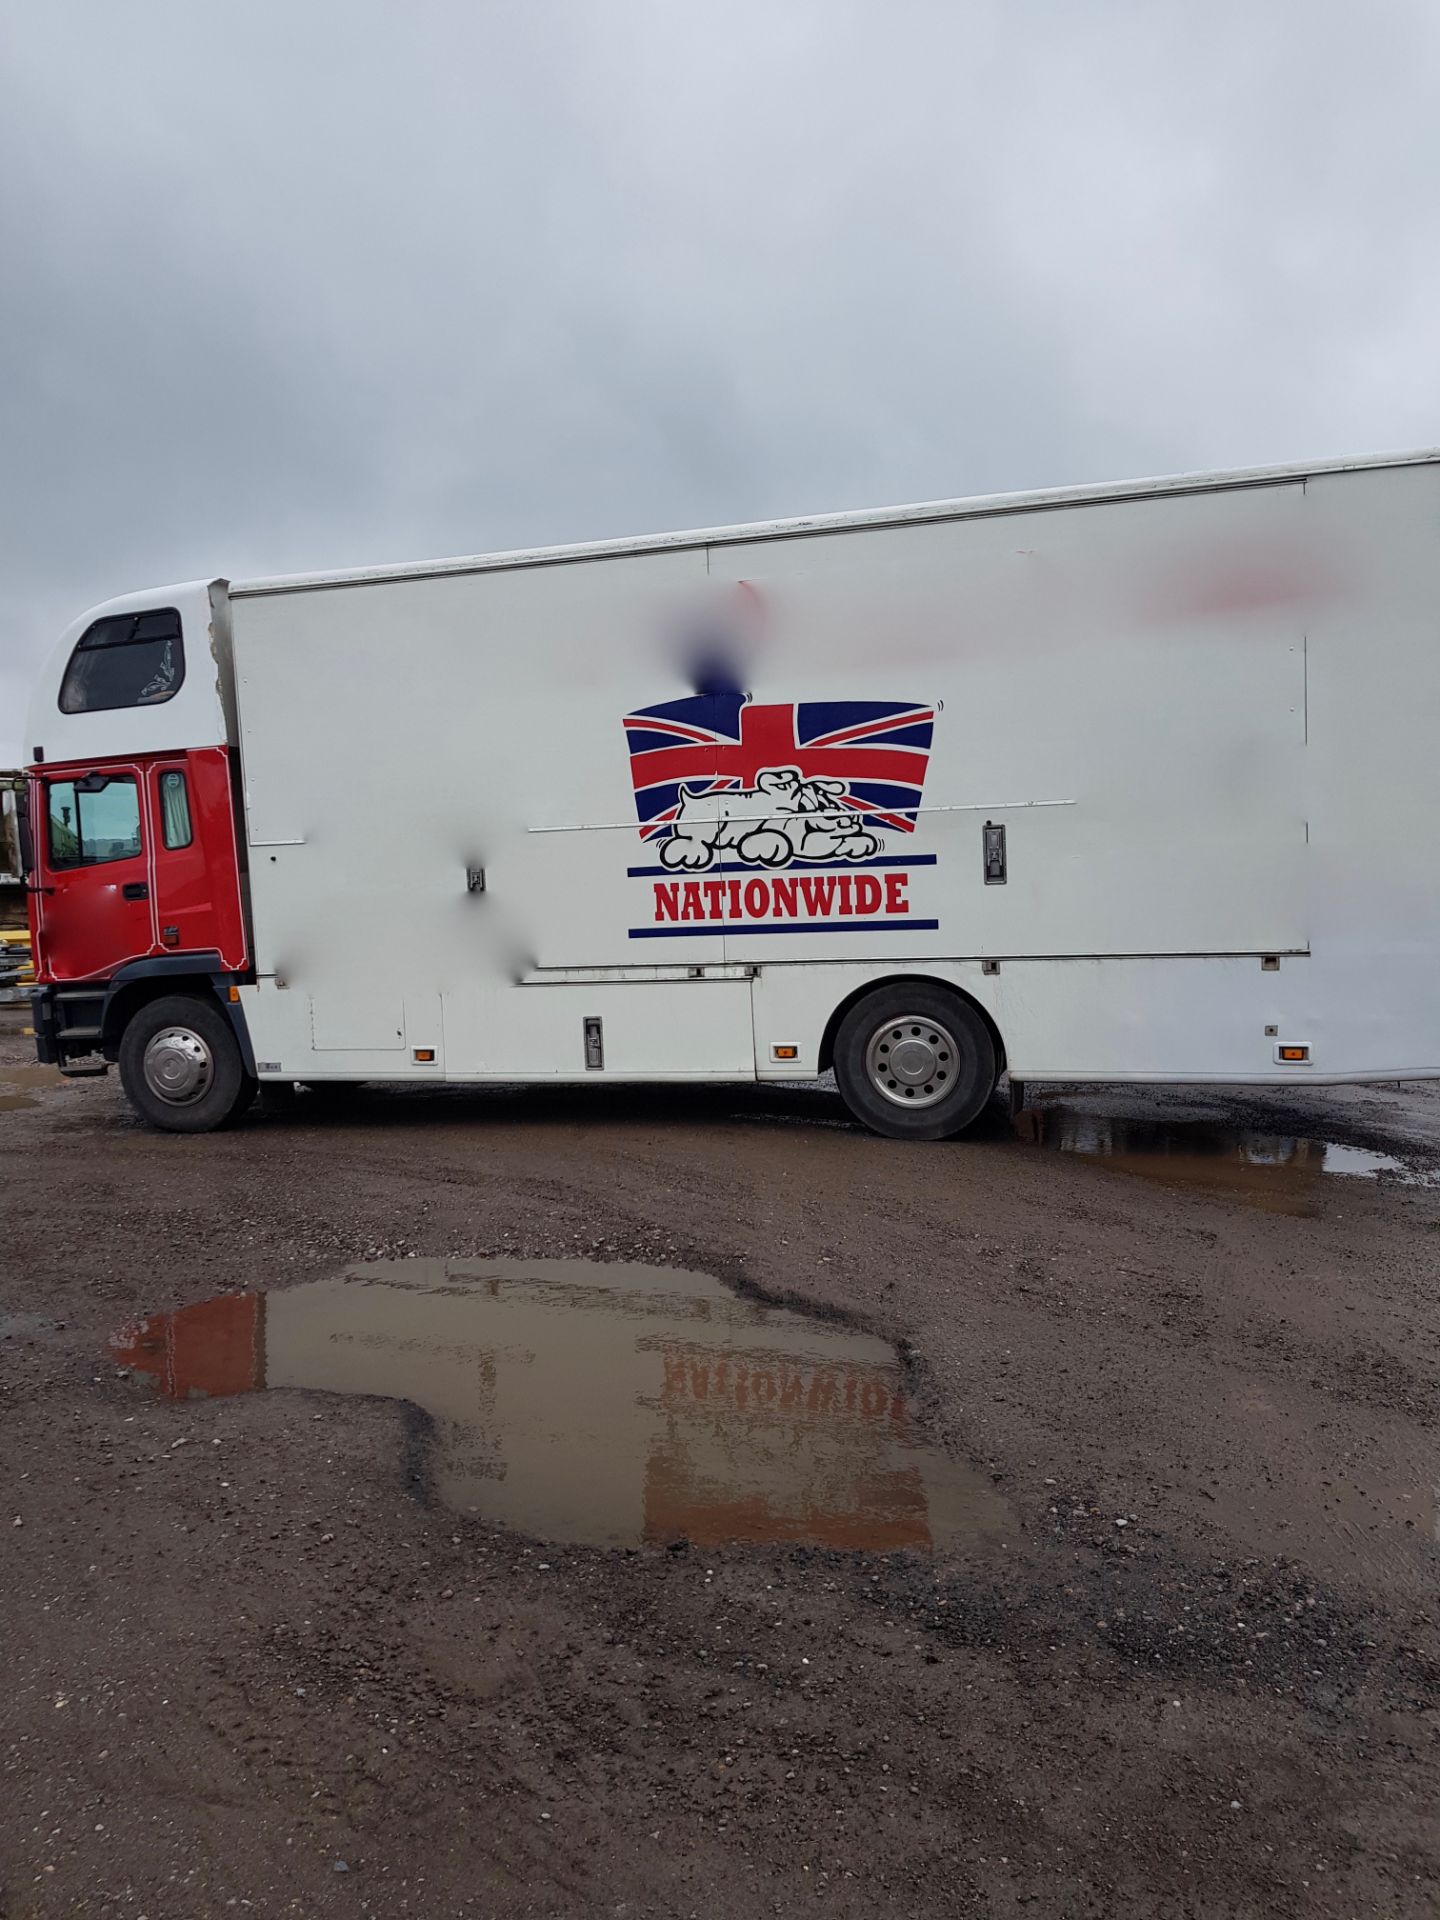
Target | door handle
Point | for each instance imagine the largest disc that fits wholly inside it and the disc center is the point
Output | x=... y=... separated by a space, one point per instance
x=135 y=890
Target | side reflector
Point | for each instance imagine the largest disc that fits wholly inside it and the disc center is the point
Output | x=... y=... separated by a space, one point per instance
x=234 y=993
x=1297 y=1056
x=424 y=1053
x=784 y=1053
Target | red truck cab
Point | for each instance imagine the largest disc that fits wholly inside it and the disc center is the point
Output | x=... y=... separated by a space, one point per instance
x=132 y=855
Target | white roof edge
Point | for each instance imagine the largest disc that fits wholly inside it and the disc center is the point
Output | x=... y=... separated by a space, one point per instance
x=759 y=530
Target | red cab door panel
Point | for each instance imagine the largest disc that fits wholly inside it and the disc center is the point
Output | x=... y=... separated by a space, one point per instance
x=197 y=882
x=96 y=910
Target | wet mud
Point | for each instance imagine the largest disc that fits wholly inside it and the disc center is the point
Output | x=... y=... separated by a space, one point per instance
x=299 y=1619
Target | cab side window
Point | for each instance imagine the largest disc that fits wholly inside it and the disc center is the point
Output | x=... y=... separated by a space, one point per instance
x=93 y=820
x=175 y=828
x=127 y=660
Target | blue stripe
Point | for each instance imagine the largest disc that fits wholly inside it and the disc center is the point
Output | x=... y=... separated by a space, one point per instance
x=894 y=796
x=816 y=717
x=920 y=735
x=793 y=926
x=719 y=712
x=786 y=873
x=657 y=799
x=650 y=740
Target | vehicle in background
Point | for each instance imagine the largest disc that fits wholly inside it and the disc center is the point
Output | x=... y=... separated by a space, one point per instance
x=1112 y=783
x=16 y=970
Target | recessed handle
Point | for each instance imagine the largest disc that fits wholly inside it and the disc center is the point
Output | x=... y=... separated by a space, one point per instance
x=135 y=890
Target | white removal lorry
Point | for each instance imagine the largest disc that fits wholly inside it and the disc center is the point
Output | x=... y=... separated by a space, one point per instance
x=1115 y=783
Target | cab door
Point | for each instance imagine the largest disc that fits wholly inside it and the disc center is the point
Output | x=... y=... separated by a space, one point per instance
x=194 y=873
x=95 y=906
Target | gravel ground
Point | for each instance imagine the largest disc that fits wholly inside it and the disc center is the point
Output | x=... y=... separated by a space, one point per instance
x=255 y=1666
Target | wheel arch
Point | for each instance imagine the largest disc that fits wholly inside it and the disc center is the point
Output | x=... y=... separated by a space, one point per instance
x=136 y=985
x=909 y=978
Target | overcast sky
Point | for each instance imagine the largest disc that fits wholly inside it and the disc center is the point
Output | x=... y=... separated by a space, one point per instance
x=301 y=284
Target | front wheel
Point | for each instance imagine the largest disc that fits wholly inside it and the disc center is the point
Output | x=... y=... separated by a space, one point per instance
x=180 y=1066
x=915 y=1062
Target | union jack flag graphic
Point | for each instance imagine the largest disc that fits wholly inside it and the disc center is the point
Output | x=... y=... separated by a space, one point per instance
x=877 y=749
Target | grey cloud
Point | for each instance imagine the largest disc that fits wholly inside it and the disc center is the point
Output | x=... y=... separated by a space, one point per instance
x=285 y=287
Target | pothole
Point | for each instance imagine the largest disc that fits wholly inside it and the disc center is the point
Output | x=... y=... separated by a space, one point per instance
x=605 y=1405
x=1268 y=1169
x=16 y=1083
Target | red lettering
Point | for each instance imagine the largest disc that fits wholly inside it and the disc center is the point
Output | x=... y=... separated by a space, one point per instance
x=846 y=882
x=667 y=899
x=895 y=900
x=734 y=886
x=692 y=909
x=818 y=894
x=867 y=893
x=715 y=894
x=782 y=899
x=874 y=1399
x=757 y=899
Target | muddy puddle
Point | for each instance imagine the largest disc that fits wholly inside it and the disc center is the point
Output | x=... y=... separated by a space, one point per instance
x=607 y=1405
x=16 y=1084
x=1273 y=1170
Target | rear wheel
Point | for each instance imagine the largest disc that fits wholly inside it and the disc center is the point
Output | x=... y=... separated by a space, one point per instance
x=180 y=1065
x=915 y=1062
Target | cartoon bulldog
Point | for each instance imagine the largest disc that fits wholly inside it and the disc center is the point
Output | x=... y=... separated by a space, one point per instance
x=767 y=825
x=835 y=835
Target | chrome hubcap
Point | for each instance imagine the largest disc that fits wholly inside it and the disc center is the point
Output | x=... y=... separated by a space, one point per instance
x=912 y=1061
x=178 y=1066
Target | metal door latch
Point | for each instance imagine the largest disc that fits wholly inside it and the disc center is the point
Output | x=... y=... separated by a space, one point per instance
x=996 y=869
x=475 y=880
x=594 y=1031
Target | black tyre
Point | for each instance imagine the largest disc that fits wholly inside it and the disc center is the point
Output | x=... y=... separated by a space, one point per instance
x=915 y=1062
x=180 y=1065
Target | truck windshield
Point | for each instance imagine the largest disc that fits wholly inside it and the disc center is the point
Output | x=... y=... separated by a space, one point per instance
x=93 y=822
x=128 y=660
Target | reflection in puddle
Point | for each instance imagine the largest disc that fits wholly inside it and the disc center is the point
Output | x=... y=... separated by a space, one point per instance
x=1360 y=1160
x=1268 y=1169
x=607 y=1405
